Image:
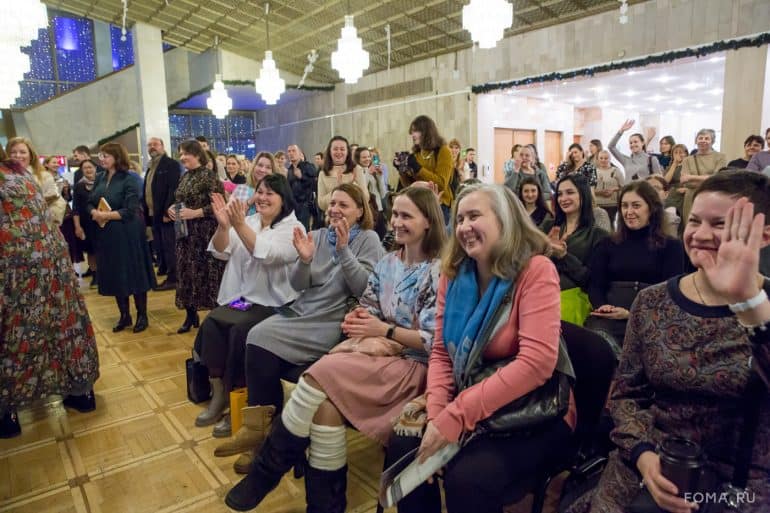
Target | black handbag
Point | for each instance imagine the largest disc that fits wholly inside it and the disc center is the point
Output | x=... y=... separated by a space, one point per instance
x=548 y=402
x=198 y=386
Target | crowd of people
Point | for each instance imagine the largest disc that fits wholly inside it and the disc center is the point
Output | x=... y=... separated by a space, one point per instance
x=382 y=303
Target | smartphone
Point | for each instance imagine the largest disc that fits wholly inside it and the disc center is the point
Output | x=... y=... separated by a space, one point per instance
x=376 y=160
x=240 y=304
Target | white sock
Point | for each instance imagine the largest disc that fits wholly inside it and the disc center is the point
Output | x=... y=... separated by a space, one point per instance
x=298 y=413
x=328 y=447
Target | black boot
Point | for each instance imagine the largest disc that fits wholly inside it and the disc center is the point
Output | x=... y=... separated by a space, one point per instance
x=82 y=403
x=141 y=312
x=278 y=454
x=190 y=321
x=325 y=490
x=9 y=425
x=125 y=315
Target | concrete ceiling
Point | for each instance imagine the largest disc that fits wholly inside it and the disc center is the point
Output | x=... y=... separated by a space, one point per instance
x=418 y=30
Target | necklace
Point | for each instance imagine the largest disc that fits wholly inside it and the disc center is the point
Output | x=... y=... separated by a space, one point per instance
x=700 y=296
x=426 y=155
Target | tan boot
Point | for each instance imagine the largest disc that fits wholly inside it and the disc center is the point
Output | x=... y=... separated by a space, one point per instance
x=256 y=424
x=243 y=463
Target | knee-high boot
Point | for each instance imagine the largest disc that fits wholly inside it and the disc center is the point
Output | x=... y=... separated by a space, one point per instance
x=281 y=451
x=141 y=312
x=325 y=490
x=190 y=321
x=125 y=314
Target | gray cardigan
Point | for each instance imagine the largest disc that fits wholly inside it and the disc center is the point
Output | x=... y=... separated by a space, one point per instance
x=636 y=166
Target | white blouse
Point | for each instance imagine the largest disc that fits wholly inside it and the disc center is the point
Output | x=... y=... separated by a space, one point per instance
x=261 y=277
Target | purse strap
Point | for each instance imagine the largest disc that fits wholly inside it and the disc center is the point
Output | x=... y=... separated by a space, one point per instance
x=751 y=404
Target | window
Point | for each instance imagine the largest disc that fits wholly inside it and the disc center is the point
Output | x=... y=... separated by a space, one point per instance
x=234 y=134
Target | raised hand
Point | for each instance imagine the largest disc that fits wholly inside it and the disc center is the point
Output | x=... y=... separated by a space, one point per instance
x=627 y=125
x=343 y=234
x=304 y=245
x=220 y=210
x=236 y=212
x=733 y=271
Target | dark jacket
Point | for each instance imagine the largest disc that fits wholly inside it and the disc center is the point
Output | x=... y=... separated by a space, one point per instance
x=164 y=184
x=303 y=188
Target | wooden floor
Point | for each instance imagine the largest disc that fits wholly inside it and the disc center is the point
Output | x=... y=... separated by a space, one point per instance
x=140 y=451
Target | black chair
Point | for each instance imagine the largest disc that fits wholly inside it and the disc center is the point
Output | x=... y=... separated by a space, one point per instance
x=594 y=362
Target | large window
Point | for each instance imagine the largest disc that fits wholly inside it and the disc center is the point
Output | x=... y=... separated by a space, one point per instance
x=234 y=134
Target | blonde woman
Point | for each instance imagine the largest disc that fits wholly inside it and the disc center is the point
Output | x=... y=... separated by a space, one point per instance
x=21 y=150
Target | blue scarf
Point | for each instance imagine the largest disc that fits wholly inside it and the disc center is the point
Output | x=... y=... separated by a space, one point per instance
x=331 y=238
x=465 y=319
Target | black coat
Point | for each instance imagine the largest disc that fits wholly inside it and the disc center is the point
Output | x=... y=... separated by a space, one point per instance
x=163 y=187
x=303 y=188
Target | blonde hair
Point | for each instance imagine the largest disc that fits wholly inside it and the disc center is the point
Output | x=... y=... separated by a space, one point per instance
x=454 y=143
x=520 y=239
x=34 y=160
x=250 y=176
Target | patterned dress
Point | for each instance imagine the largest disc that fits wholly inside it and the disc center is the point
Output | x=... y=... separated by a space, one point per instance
x=198 y=272
x=47 y=344
x=683 y=371
x=371 y=391
x=587 y=170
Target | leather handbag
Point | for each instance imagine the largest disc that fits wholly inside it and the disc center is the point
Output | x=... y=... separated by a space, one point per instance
x=198 y=386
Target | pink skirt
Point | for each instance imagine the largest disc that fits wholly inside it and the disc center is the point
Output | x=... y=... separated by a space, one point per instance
x=370 y=391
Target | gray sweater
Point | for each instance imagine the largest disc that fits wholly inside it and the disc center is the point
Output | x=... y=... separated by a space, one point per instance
x=636 y=166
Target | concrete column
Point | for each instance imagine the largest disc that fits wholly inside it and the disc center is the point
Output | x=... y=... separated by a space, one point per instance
x=103 y=48
x=151 y=86
x=745 y=98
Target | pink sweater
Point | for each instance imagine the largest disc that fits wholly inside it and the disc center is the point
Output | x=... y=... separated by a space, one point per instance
x=532 y=334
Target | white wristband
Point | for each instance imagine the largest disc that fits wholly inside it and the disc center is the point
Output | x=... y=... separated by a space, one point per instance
x=749 y=304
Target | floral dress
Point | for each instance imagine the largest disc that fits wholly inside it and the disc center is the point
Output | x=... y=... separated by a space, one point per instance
x=47 y=343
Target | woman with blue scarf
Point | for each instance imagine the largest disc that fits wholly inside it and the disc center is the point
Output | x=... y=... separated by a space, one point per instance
x=334 y=264
x=500 y=291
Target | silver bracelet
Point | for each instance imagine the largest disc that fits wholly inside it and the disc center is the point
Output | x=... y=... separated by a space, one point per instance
x=750 y=303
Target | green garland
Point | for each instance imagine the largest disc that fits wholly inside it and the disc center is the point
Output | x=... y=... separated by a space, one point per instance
x=246 y=83
x=720 y=46
x=117 y=134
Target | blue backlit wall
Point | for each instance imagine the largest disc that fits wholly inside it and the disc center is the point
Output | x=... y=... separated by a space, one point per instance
x=234 y=134
x=122 y=51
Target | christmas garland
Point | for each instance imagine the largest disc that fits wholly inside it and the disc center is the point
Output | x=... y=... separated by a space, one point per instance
x=700 y=51
x=117 y=134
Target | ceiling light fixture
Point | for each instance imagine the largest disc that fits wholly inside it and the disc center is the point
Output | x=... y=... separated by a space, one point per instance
x=623 y=18
x=350 y=59
x=487 y=20
x=20 y=23
x=219 y=103
x=270 y=86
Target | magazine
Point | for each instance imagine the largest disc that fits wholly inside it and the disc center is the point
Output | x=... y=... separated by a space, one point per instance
x=408 y=473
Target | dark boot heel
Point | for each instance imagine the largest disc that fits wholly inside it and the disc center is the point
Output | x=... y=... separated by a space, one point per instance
x=325 y=490
x=141 y=323
x=9 y=425
x=82 y=403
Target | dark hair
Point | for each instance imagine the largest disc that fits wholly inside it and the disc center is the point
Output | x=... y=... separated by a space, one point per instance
x=426 y=202
x=280 y=185
x=357 y=195
x=515 y=148
x=359 y=151
x=586 y=219
x=641 y=138
x=754 y=138
x=662 y=181
x=656 y=239
x=193 y=147
x=671 y=142
x=537 y=156
x=470 y=149
x=119 y=153
x=201 y=138
x=319 y=153
x=739 y=183
x=767 y=132
x=329 y=163
x=211 y=157
x=82 y=149
x=598 y=144
x=571 y=163
x=90 y=161
x=430 y=138
x=531 y=180
x=3 y=156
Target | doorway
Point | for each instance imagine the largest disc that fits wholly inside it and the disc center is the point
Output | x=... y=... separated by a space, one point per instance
x=553 y=152
x=505 y=138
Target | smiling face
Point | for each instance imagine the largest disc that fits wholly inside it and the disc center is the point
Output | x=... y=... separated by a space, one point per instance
x=477 y=228
x=529 y=194
x=342 y=206
x=568 y=197
x=262 y=168
x=752 y=149
x=188 y=160
x=634 y=210
x=20 y=153
x=268 y=202
x=603 y=160
x=704 y=143
x=89 y=170
x=365 y=158
x=52 y=165
x=527 y=157
x=703 y=232
x=318 y=160
x=455 y=150
x=280 y=161
x=232 y=166
x=339 y=152
x=635 y=144
x=409 y=224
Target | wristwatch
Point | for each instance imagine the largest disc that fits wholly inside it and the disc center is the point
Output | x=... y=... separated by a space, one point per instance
x=391 y=331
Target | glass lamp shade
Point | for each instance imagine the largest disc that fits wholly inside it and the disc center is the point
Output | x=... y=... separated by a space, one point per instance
x=350 y=59
x=269 y=85
x=487 y=20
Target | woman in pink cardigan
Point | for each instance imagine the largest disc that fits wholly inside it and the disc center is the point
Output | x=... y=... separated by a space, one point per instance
x=497 y=255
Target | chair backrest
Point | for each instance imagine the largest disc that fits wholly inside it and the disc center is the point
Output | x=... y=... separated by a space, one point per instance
x=594 y=363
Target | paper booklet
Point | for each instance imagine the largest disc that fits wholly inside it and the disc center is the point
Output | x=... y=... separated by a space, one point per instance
x=407 y=473
x=103 y=207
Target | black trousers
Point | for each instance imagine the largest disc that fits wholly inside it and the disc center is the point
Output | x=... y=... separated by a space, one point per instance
x=164 y=242
x=221 y=341
x=484 y=473
x=264 y=371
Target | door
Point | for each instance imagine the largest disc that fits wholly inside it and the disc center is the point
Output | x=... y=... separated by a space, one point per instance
x=553 y=154
x=505 y=138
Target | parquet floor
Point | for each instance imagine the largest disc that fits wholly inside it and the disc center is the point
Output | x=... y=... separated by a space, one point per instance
x=140 y=451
